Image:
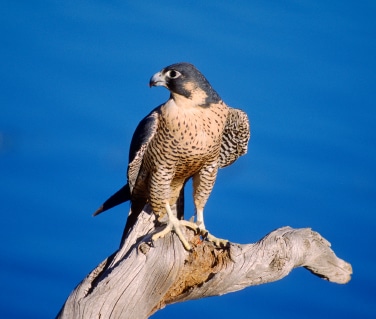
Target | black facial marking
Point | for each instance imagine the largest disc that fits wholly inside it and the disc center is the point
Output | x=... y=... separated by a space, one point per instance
x=189 y=73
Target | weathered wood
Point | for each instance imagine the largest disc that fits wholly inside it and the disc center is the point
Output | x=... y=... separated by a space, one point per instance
x=141 y=278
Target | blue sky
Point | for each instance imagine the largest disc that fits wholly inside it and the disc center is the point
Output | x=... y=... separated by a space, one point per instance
x=74 y=85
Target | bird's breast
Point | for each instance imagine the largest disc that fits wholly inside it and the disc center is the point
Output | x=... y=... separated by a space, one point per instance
x=193 y=130
x=186 y=139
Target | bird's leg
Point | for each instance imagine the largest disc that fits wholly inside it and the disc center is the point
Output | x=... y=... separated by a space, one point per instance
x=203 y=183
x=200 y=218
x=205 y=234
x=175 y=224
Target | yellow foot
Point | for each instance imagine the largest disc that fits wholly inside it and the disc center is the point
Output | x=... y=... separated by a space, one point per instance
x=221 y=243
x=175 y=224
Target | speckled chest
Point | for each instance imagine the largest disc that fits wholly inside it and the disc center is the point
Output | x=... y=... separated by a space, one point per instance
x=189 y=136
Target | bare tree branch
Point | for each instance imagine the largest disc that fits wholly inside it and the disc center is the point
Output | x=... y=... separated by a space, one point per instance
x=140 y=278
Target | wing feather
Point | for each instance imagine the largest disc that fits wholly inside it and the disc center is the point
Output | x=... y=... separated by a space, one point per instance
x=235 y=137
x=143 y=134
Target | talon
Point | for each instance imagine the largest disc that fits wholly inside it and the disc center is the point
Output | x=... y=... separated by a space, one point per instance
x=218 y=242
x=203 y=232
x=189 y=224
x=175 y=224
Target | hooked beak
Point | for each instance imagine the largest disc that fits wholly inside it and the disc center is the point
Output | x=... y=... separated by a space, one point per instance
x=157 y=80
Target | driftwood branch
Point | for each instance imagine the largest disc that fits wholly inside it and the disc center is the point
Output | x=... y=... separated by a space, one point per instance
x=140 y=278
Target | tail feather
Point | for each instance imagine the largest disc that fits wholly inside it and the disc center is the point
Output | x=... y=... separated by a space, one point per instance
x=121 y=196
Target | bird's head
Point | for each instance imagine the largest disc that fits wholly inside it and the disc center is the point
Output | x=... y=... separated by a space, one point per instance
x=184 y=80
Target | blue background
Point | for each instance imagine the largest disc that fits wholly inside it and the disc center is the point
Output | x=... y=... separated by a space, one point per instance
x=74 y=85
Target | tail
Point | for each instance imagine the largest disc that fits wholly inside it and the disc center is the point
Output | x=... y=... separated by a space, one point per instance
x=124 y=195
x=121 y=196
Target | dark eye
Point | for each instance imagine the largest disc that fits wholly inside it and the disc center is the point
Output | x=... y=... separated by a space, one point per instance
x=173 y=74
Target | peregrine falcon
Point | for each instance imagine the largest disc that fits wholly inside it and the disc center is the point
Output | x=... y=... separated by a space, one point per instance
x=190 y=136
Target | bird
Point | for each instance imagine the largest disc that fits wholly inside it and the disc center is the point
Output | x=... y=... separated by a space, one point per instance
x=190 y=136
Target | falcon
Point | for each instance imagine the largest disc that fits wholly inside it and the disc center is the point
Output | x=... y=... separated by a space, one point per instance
x=191 y=135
